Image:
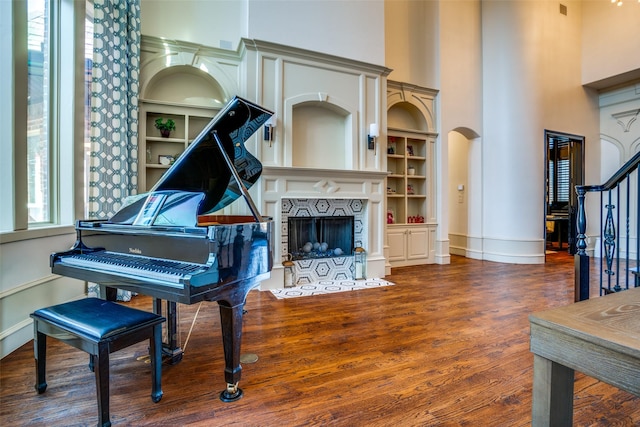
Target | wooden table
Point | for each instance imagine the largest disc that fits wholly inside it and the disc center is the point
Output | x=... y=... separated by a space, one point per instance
x=599 y=337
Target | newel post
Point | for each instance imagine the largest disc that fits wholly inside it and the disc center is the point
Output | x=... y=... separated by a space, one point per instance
x=581 y=259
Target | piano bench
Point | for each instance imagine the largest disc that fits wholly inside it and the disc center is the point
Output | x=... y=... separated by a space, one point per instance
x=98 y=327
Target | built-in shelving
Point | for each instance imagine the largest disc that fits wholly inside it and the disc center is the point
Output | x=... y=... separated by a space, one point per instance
x=158 y=153
x=410 y=196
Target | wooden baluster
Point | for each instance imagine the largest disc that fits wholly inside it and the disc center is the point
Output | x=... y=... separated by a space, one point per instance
x=581 y=259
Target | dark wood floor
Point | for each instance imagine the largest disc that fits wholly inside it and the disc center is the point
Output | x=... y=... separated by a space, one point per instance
x=446 y=346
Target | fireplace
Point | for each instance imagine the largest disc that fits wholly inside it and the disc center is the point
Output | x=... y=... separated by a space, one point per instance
x=337 y=222
x=287 y=192
x=320 y=236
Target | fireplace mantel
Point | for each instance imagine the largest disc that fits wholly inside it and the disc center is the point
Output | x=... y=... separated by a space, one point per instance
x=322 y=173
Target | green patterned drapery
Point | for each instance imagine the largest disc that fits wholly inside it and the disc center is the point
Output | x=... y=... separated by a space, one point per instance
x=113 y=163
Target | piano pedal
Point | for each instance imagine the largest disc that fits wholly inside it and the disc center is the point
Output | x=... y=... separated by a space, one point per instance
x=146 y=358
x=248 y=358
x=232 y=393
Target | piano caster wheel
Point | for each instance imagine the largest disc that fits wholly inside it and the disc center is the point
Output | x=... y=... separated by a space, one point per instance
x=155 y=398
x=231 y=394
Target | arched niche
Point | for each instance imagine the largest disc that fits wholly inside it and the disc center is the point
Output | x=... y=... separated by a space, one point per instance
x=322 y=132
x=404 y=115
x=185 y=84
x=206 y=76
x=411 y=107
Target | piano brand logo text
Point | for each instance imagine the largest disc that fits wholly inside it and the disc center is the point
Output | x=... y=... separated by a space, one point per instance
x=135 y=251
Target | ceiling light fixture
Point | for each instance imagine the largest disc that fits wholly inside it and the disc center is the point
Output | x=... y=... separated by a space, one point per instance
x=619 y=2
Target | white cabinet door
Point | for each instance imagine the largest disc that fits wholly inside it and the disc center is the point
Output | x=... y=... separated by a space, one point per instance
x=409 y=245
x=417 y=243
x=397 y=238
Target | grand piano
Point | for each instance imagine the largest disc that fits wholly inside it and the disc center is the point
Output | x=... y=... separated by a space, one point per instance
x=170 y=244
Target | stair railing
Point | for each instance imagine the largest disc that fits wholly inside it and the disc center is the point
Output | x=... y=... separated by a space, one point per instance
x=619 y=247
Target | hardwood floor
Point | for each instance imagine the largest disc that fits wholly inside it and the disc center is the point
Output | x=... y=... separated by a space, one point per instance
x=446 y=346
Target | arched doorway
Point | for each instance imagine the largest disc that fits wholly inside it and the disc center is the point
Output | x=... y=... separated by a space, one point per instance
x=465 y=193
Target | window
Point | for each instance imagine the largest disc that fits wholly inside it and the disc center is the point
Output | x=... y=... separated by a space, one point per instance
x=39 y=154
x=558 y=174
x=43 y=124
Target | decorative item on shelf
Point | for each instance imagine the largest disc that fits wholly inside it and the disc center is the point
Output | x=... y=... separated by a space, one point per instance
x=409 y=150
x=289 y=272
x=360 y=262
x=410 y=190
x=390 y=217
x=417 y=219
x=391 y=145
x=165 y=160
x=165 y=127
x=411 y=170
x=149 y=155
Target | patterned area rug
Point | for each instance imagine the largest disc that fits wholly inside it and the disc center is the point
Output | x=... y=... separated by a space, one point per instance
x=328 y=287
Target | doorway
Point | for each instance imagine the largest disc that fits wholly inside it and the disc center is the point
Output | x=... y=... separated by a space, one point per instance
x=564 y=164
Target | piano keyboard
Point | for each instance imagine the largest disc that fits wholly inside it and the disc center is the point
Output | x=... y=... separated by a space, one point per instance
x=149 y=268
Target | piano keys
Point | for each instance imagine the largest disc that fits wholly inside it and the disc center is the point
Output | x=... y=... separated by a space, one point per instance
x=170 y=244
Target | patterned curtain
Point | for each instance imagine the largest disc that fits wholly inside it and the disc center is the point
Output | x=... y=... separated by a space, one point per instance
x=113 y=163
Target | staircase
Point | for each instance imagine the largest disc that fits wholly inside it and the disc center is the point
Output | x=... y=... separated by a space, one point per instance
x=617 y=249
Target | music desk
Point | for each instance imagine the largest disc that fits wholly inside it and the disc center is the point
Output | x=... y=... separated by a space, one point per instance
x=599 y=337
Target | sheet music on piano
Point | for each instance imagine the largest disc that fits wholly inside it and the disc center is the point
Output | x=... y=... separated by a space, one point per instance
x=150 y=209
x=171 y=245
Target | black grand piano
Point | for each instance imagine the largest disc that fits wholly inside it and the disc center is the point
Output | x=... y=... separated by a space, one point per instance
x=169 y=243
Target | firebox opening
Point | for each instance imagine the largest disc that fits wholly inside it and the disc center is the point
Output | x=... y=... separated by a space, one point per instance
x=320 y=236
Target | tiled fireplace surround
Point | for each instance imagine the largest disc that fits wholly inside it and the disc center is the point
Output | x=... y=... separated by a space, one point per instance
x=334 y=268
x=309 y=192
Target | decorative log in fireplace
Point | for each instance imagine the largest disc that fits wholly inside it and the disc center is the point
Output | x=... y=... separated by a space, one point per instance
x=320 y=236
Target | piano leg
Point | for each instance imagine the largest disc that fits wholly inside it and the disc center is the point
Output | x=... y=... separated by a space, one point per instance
x=171 y=351
x=231 y=321
x=108 y=293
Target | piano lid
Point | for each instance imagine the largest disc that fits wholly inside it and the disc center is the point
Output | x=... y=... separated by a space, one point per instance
x=202 y=168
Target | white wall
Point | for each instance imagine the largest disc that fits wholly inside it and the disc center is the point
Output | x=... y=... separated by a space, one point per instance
x=411 y=41
x=460 y=71
x=532 y=82
x=610 y=40
x=213 y=23
x=27 y=284
x=346 y=28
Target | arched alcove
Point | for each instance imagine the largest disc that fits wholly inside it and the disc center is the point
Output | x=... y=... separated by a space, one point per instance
x=466 y=132
x=458 y=190
x=321 y=132
x=185 y=84
x=405 y=115
x=464 y=191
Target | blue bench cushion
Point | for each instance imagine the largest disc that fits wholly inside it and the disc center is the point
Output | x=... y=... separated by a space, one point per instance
x=95 y=317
